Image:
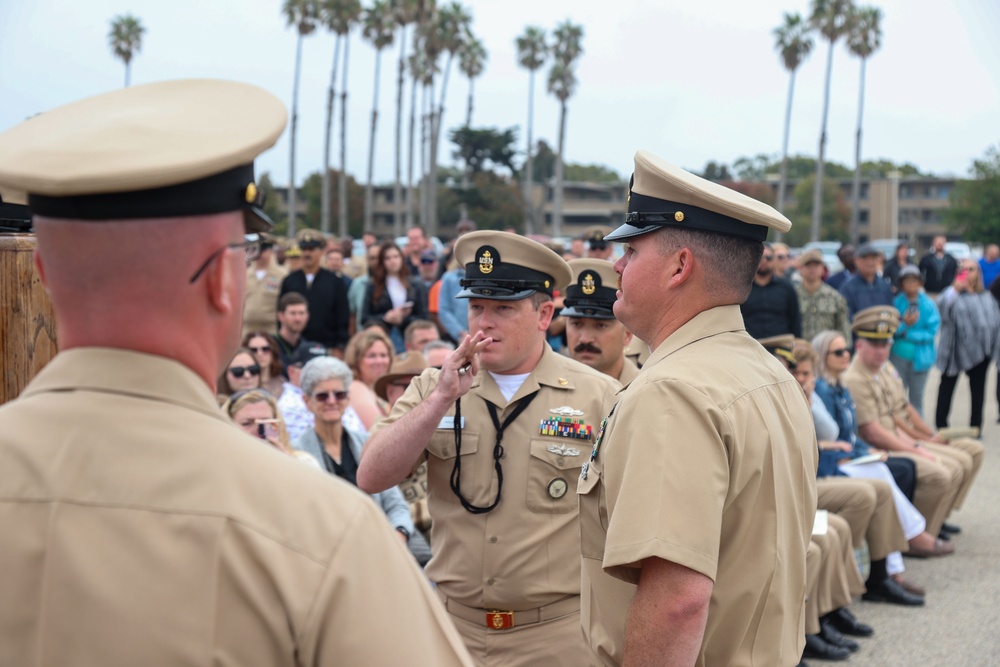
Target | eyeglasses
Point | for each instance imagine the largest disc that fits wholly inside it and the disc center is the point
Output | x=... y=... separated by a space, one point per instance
x=781 y=256
x=768 y=258
x=841 y=352
x=250 y=244
x=324 y=396
x=240 y=371
x=259 y=350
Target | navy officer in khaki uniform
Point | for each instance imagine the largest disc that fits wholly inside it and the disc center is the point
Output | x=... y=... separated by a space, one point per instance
x=593 y=335
x=140 y=527
x=697 y=504
x=504 y=426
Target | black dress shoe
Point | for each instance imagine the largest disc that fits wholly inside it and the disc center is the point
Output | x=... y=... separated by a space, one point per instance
x=889 y=591
x=950 y=528
x=943 y=536
x=832 y=636
x=819 y=648
x=844 y=621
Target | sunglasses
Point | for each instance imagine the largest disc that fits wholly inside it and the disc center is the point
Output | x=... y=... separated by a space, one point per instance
x=239 y=371
x=259 y=350
x=768 y=258
x=324 y=396
x=841 y=352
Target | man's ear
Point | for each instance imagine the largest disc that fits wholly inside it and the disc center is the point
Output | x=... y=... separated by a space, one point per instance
x=682 y=266
x=545 y=312
x=221 y=284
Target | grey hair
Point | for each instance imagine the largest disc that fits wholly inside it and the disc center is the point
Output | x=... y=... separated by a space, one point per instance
x=437 y=345
x=322 y=369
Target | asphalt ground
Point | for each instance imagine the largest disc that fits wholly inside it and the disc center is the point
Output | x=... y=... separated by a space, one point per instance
x=960 y=623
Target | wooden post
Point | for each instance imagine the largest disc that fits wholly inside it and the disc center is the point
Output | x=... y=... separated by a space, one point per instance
x=27 y=321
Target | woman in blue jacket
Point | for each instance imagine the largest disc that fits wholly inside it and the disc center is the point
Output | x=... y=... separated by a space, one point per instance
x=913 y=351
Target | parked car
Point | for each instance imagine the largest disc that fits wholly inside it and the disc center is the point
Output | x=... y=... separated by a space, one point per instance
x=959 y=250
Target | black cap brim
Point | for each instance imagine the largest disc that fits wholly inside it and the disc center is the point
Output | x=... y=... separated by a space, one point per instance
x=510 y=296
x=627 y=231
x=256 y=220
x=591 y=312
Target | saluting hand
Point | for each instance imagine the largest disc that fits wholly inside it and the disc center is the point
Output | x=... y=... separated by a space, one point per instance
x=461 y=366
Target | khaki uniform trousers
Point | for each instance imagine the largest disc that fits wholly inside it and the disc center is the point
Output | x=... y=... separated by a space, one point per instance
x=814 y=556
x=850 y=498
x=938 y=484
x=555 y=643
x=974 y=449
x=839 y=579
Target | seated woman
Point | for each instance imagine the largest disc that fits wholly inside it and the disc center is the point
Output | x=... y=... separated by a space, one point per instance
x=255 y=412
x=392 y=298
x=264 y=347
x=242 y=372
x=325 y=382
x=368 y=355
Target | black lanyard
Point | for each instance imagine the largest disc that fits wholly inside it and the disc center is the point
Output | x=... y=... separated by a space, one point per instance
x=456 y=471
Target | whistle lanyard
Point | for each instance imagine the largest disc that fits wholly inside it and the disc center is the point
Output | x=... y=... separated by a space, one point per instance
x=456 y=471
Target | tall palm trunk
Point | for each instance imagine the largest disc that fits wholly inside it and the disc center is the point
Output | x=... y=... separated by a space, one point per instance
x=294 y=129
x=557 y=203
x=529 y=178
x=856 y=186
x=128 y=73
x=369 y=192
x=783 y=181
x=409 y=171
x=331 y=96
x=342 y=189
x=817 y=212
x=463 y=209
x=436 y=120
x=397 y=188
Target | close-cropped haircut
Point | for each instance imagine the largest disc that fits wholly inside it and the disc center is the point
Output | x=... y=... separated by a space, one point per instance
x=730 y=262
x=291 y=299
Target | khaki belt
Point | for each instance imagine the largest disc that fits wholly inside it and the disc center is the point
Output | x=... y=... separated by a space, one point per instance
x=498 y=619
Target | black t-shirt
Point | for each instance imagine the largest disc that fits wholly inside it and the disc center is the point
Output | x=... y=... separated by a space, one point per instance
x=347 y=469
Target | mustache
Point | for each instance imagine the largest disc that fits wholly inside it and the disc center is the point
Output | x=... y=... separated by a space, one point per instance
x=587 y=347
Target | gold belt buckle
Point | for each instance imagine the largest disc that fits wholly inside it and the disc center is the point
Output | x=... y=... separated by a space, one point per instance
x=499 y=620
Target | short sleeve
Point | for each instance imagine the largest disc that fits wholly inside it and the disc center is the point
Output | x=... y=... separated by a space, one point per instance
x=865 y=402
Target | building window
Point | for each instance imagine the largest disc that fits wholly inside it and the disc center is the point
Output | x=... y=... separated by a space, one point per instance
x=863 y=217
x=864 y=195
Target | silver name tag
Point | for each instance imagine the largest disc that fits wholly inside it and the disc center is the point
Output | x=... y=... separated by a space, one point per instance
x=449 y=423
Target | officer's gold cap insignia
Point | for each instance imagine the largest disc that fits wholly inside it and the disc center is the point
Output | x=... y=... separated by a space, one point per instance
x=251 y=193
x=485 y=258
x=547 y=283
x=679 y=216
x=587 y=284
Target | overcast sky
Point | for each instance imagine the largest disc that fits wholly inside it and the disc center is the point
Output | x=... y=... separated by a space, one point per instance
x=689 y=81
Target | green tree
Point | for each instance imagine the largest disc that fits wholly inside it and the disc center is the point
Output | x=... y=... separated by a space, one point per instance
x=313 y=196
x=831 y=18
x=339 y=17
x=471 y=61
x=974 y=210
x=485 y=148
x=754 y=168
x=378 y=26
x=493 y=202
x=544 y=165
x=863 y=39
x=566 y=49
x=716 y=171
x=835 y=213
x=591 y=173
x=271 y=207
x=303 y=14
x=125 y=39
x=794 y=42
x=531 y=54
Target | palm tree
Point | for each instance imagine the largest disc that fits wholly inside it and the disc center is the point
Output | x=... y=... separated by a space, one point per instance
x=125 y=40
x=562 y=83
x=531 y=54
x=303 y=15
x=422 y=72
x=793 y=41
x=830 y=17
x=864 y=38
x=378 y=28
x=404 y=12
x=452 y=28
x=471 y=61
x=338 y=16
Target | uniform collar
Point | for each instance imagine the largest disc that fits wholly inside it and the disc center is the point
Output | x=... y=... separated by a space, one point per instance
x=549 y=372
x=711 y=322
x=125 y=373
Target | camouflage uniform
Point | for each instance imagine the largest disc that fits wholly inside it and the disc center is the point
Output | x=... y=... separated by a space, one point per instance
x=822 y=310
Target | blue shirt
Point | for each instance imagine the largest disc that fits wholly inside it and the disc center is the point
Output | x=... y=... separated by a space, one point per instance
x=989 y=271
x=916 y=343
x=861 y=294
x=840 y=405
x=453 y=314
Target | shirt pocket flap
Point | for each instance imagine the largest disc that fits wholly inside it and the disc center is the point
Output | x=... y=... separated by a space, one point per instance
x=442 y=444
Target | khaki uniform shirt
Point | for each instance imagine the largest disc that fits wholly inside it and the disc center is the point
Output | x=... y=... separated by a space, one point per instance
x=822 y=310
x=629 y=372
x=140 y=527
x=260 y=309
x=702 y=463
x=525 y=553
x=877 y=397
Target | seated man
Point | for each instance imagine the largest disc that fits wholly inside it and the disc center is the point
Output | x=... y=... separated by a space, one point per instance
x=888 y=422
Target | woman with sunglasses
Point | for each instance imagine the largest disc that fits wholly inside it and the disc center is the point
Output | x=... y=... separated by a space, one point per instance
x=264 y=347
x=969 y=323
x=242 y=372
x=325 y=382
